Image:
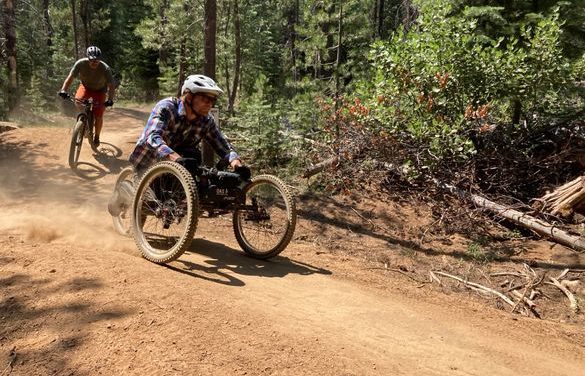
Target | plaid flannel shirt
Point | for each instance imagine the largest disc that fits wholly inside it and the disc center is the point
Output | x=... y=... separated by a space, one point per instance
x=167 y=129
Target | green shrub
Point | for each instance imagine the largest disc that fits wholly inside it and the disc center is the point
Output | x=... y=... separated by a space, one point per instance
x=442 y=83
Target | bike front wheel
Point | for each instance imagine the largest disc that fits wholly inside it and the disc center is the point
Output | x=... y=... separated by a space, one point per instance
x=264 y=226
x=120 y=206
x=76 y=143
x=165 y=212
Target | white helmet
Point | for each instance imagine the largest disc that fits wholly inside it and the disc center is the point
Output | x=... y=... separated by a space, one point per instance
x=93 y=52
x=198 y=83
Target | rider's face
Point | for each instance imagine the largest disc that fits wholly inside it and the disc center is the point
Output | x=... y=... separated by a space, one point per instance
x=93 y=63
x=201 y=103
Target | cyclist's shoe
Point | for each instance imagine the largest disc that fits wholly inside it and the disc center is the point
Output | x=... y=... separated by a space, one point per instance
x=96 y=141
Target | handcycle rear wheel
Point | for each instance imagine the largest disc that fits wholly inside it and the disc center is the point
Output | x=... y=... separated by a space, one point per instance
x=265 y=226
x=165 y=211
x=122 y=198
x=76 y=142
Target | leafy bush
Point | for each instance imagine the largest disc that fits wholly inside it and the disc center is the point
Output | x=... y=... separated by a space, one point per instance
x=444 y=84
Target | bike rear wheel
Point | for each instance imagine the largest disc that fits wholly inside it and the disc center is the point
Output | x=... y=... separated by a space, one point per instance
x=165 y=212
x=121 y=202
x=265 y=226
x=76 y=143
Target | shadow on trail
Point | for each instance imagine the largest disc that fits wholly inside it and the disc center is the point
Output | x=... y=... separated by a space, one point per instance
x=128 y=112
x=25 y=179
x=335 y=218
x=108 y=156
x=89 y=171
x=224 y=262
x=22 y=314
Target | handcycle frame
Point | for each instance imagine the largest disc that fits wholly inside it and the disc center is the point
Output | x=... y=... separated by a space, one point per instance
x=167 y=197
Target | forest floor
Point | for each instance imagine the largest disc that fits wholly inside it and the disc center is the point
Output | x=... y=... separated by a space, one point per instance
x=351 y=295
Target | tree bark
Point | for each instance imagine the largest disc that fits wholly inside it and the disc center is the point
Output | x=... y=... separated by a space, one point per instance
x=238 y=57
x=210 y=29
x=380 y=18
x=182 y=61
x=84 y=13
x=10 y=45
x=338 y=62
x=49 y=35
x=75 y=33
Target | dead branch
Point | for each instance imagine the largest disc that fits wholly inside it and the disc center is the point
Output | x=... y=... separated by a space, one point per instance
x=478 y=286
x=524 y=298
x=572 y=300
x=435 y=278
x=316 y=168
x=538 y=226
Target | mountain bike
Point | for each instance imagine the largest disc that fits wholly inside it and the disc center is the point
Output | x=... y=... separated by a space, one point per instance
x=161 y=209
x=83 y=128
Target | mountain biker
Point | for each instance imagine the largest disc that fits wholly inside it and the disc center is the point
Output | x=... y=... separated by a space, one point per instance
x=177 y=125
x=96 y=80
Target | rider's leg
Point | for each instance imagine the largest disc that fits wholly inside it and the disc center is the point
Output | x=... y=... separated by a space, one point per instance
x=98 y=123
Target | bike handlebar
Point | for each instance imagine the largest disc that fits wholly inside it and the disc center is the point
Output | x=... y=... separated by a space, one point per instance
x=84 y=102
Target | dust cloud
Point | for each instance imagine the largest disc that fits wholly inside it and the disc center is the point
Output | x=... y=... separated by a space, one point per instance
x=63 y=224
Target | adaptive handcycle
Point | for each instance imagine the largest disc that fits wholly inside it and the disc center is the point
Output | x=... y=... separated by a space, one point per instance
x=161 y=207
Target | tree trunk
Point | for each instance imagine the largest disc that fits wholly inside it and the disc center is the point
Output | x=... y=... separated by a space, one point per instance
x=163 y=53
x=84 y=13
x=338 y=63
x=49 y=35
x=10 y=45
x=75 y=36
x=182 y=63
x=226 y=35
x=238 y=56
x=517 y=111
x=380 y=18
x=292 y=22
x=210 y=29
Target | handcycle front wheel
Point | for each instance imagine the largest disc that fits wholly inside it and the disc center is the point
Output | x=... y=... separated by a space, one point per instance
x=120 y=206
x=264 y=226
x=76 y=143
x=165 y=211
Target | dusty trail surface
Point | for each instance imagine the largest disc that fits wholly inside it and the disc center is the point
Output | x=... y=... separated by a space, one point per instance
x=77 y=299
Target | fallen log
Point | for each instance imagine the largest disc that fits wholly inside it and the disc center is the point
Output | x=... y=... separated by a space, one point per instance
x=563 y=200
x=317 y=168
x=537 y=225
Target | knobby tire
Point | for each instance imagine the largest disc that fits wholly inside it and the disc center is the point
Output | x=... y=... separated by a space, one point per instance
x=76 y=143
x=165 y=196
x=125 y=190
x=266 y=238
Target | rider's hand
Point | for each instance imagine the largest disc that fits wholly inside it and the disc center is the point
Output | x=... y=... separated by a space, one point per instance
x=63 y=94
x=236 y=163
x=109 y=103
x=243 y=171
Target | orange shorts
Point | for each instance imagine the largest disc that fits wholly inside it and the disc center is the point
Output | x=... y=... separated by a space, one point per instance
x=98 y=97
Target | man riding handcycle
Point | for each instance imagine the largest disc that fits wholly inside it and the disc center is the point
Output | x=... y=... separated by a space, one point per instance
x=160 y=198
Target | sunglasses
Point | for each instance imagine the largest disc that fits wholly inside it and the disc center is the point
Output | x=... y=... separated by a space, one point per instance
x=208 y=98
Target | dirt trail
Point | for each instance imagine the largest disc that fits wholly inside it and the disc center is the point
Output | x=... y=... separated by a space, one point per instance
x=77 y=299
